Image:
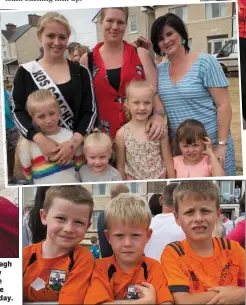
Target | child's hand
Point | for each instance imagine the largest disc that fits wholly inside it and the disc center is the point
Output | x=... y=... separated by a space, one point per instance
x=146 y=292
x=208 y=147
x=143 y=43
x=227 y=295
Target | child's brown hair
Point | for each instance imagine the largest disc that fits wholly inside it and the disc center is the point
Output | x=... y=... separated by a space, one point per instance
x=75 y=193
x=189 y=131
x=198 y=189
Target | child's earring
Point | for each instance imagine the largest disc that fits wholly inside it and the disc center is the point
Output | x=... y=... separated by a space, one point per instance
x=183 y=42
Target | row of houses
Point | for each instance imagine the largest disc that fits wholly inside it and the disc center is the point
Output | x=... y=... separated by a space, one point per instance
x=101 y=196
x=209 y=25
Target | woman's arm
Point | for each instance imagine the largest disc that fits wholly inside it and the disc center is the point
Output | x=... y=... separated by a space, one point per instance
x=120 y=152
x=224 y=111
x=88 y=109
x=156 y=127
x=216 y=167
x=20 y=94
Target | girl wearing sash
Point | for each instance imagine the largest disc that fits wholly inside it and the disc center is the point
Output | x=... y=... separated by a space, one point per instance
x=70 y=82
x=114 y=63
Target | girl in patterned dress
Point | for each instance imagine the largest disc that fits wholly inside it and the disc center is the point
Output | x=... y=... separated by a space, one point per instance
x=197 y=157
x=138 y=158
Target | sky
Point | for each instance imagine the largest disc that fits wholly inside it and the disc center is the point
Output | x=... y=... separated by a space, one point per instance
x=83 y=29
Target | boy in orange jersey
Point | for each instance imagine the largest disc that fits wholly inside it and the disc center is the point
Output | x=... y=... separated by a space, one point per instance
x=128 y=277
x=202 y=269
x=58 y=268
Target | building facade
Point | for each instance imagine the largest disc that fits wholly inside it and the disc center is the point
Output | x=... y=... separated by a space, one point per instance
x=101 y=195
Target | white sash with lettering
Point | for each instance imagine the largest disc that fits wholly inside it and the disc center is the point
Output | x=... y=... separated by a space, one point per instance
x=43 y=81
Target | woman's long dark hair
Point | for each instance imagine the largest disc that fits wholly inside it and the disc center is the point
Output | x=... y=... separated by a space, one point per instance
x=37 y=228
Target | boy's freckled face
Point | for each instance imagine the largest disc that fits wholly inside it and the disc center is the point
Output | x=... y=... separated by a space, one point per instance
x=197 y=218
x=66 y=222
x=128 y=242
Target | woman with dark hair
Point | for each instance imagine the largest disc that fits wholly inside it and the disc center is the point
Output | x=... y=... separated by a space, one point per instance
x=38 y=230
x=193 y=86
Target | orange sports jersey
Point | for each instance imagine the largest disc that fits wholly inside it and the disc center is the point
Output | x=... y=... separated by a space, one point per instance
x=64 y=279
x=186 y=271
x=110 y=282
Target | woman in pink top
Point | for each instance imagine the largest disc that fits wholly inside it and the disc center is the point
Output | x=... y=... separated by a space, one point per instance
x=197 y=157
x=238 y=233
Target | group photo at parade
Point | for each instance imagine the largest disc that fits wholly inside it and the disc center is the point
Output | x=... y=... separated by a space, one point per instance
x=177 y=247
x=150 y=108
x=123 y=136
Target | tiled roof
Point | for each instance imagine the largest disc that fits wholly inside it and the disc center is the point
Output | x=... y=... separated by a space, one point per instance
x=16 y=33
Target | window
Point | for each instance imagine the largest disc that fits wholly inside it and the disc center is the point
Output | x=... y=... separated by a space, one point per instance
x=95 y=216
x=100 y=189
x=4 y=54
x=133 y=23
x=133 y=187
x=215 y=43
x=215 y=10
x=180 y=11
x=227 y=191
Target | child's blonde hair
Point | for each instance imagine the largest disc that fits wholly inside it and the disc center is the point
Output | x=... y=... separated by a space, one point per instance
x=136 y=84
x=52 y=17
x=40 y=96
x=197 y=189
x=97 y=138
x=189 y=131
x=75 y=193
x=129 y=209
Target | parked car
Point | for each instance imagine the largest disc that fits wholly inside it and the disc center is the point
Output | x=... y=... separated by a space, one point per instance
x=228 y=56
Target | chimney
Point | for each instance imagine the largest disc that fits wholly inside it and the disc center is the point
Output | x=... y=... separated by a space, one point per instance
x=10 y=27
x=33 y=19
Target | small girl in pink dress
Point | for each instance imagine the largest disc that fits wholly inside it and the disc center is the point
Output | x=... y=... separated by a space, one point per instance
x=138 y=158
x=197 y=157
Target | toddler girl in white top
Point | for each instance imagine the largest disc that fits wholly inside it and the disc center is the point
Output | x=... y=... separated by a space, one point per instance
x=137 y=157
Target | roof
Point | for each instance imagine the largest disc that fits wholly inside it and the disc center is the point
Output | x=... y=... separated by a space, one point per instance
x=17 y=33
x=98 y=13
